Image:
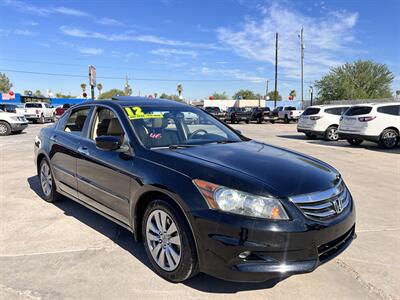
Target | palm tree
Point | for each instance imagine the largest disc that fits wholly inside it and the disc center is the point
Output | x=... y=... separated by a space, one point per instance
x=83 y=87
x=292 y=94
x=179 y=89
x=99 y=87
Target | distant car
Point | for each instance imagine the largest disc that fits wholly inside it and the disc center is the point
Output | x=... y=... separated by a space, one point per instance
x=262 y=114
x=288 y=113
x=11 y=122
x=61 y=109
x=238 y=114
x=190 y=118
x=38 y=112
x=321 y=121
x=379 y=123
x=215 y=111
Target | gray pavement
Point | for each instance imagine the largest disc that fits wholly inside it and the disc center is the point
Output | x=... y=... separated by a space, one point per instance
x=65 y=251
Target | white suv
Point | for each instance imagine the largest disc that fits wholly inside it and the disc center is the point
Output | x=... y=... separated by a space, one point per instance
x=321 y=121
x=375 y=122
x=11 y=122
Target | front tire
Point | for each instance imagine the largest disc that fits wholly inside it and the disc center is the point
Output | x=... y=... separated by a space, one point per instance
x=331 y=134
x=286 y=119
x=168 y=242
x=42 y=120
x=389 y=139
x=47 y=184
x=355 y=142
x=5 y=128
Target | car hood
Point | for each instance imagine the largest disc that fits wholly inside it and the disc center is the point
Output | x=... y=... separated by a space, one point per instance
x=284 y=172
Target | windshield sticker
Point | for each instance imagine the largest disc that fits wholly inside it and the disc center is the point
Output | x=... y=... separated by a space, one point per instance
x=136 y=112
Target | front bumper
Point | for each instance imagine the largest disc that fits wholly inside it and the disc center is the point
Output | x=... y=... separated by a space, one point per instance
x=358 y=136
x=18 y=126
x=274 y=248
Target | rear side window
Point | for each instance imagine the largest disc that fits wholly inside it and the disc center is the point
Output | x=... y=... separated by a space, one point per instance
x=337 y=111
x=311 y=111
x=390 y=110
x=290 y=108
x=358 y=110
x=76 y=121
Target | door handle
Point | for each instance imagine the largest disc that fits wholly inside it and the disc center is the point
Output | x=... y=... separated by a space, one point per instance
x=83 y=150
x=53 y=138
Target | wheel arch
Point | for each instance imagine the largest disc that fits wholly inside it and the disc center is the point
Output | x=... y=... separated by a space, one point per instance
x=393 y=128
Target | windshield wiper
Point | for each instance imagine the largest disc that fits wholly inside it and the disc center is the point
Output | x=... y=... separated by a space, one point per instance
x=227 y=141
x=181 y=146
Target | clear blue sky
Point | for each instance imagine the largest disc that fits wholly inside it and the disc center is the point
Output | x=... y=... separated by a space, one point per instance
x=168 y=42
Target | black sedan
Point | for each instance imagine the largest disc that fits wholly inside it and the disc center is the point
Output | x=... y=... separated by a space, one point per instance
x=202 y=197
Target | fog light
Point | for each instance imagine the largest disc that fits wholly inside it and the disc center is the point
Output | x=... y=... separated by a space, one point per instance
x=244 y=254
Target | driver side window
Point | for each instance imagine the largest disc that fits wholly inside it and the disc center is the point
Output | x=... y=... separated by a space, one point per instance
x=106 y=123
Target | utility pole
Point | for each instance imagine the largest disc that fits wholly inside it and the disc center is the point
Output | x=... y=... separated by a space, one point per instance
x=302 y=67
x=266 y=90
x=311 y=94
x=276 y=71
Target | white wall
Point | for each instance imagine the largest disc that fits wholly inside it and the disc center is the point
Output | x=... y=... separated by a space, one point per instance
x=224 y=104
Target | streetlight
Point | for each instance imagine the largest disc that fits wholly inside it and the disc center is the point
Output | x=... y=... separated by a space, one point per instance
x=311 y=92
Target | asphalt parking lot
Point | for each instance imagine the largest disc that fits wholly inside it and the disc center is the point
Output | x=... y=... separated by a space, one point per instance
x=65 y=251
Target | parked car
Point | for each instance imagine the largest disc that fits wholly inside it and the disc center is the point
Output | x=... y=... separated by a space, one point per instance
x=61 y=109
x=238 y=114
x=190 y=118
x=215 y=111
x=288 y=113
x=377 y=122
x=11 y=122
x=261 y=114
x=321 y=121
x=38 y=112
x=203 y=197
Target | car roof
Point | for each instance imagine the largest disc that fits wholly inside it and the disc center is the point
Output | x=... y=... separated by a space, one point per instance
x=330 y=105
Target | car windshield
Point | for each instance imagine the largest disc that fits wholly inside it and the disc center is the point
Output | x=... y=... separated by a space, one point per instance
x=33 y=105
x=178 y=126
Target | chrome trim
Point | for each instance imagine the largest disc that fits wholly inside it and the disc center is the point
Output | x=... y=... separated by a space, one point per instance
x=324 y=204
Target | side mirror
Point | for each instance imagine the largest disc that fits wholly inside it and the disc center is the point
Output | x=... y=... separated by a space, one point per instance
x=108 y=143
x=238 y=131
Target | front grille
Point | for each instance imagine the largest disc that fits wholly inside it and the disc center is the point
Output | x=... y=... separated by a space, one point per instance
x=332 y=248
x=325 y=204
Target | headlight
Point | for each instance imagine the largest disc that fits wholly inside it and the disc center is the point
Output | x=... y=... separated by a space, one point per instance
x=234 y=201
x=14 y=118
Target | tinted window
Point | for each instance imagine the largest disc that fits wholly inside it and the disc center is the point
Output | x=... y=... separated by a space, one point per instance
x=290 y=108
x=266 y=109
x=390 y=110
x=66 y=106
x=76 y=121
x=311 y=111
x=358 y=110
x=33 y=105
x=334 y=111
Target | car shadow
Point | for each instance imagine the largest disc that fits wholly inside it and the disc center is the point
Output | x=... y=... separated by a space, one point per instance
x=123 y=238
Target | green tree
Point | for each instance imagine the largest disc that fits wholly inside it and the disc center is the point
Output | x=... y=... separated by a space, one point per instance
x=220 y=96
x=99 y=87
x=111 y=93
x=358 y=80
x=398 y=93
x=5 y=83
x=271 y=96
x=27 y=92
x=83 y=87
x=293 y=94
x=61 y=95
x=38 y=93
x=246 y=94
x=170 y=97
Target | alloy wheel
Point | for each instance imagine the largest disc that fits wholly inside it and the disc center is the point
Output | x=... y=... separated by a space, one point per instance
x=3 y=129
x=163 y=240
x=45 y=179
x=389 y=139
x=332 y=134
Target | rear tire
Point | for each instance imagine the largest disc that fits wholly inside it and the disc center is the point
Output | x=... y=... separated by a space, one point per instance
x=389 y=139
x=47 y=183
x=42 y=120
x=286 y=119
x=247 y=121
x=331 y=134
x=259 y=120
x=355 y=142
x=5 y=128
x=168 y=242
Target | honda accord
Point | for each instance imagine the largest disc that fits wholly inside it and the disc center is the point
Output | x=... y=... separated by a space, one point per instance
x=201 y=196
